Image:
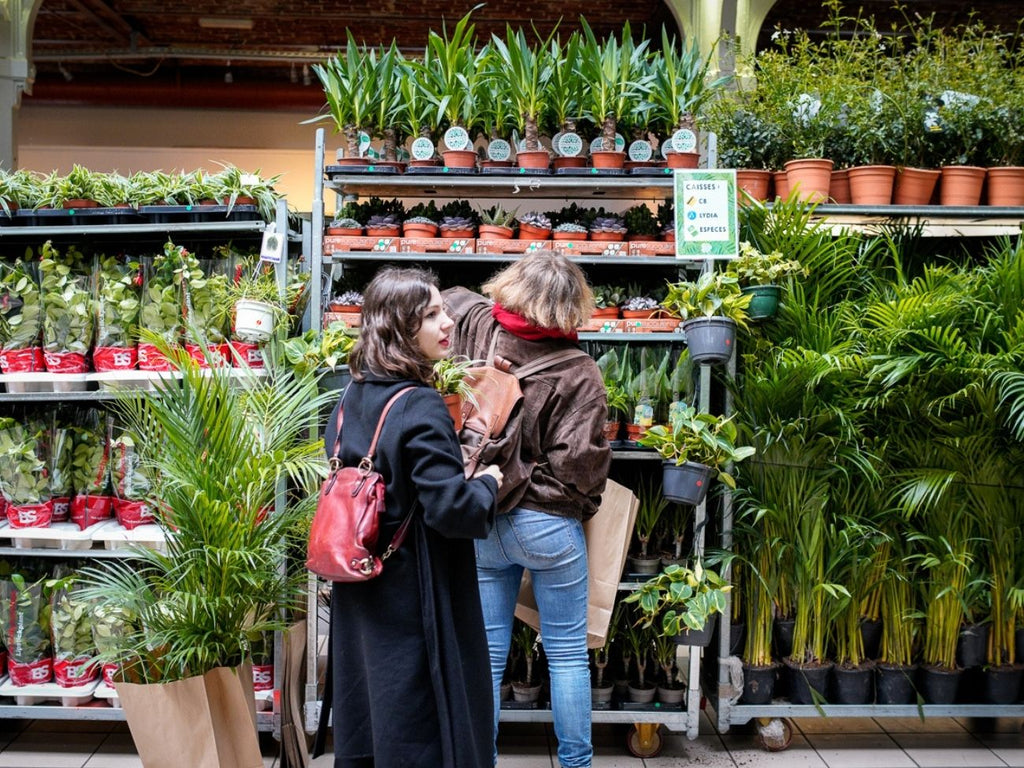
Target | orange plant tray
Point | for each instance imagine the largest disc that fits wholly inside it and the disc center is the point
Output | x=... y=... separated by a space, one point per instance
x=651 y=248
x=511 y=246
x=438 y=245
x=591 y=247
x=351 y=319
x=339 y=243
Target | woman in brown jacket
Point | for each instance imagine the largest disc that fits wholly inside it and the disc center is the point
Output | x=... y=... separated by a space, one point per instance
x=535 y=306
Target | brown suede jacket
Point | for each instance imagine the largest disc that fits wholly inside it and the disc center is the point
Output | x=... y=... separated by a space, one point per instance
x=564 y=411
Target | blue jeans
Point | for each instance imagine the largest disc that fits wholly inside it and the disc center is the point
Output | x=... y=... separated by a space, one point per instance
x=554 y=551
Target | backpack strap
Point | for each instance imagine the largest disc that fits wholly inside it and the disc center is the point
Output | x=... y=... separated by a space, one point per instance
x=547 y=361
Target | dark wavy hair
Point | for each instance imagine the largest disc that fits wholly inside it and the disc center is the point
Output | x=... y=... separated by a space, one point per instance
x=393 y=305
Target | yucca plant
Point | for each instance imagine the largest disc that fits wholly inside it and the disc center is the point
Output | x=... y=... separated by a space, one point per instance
x=680 y=83
x=451 y=75
x=385 y=65
x=220 y=456
x=349 y=101
x=616 y=77
x=522 y=74
x=565 y=86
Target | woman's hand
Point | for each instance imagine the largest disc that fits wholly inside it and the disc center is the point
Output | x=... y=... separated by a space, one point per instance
x=491 y=471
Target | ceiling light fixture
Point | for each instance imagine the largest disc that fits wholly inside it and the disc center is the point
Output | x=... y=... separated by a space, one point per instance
x=224 y=22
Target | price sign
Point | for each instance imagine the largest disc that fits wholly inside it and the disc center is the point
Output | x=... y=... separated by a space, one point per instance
x=706 y=216
x=272 y=247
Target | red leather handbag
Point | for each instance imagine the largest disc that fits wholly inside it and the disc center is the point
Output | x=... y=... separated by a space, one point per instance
x=343 y=536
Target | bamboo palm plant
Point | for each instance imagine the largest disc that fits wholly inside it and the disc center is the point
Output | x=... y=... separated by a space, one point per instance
x=565 y=86
x=385 y=66
x=221 y=455
x=616 y=76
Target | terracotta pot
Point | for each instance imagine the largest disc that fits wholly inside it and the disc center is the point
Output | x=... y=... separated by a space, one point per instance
x=569 y=162
x=569 y=235
x=631 y=164
x=914 y=186
x=809 y=178
x=349 y=308
x=754 y=182
x=1006 y=186
x=423 y=163
x=78 y=202
x=603 y=159
x=461 y=233
x=668 y=237
x=605 y=312
x=345 y=231
x=781 y=183
x=961 y=185
x=872 y=184
x=530 y=232
x=454 y=405
x=382 y=231
x=419 y=230
x=496 y=164
x=494 y=232
x=534 y=159
x=459 y=158
x=351 y=161
x=607 y=237
x=611 y=429
x=683 y=159
x=639 y=314
x=839 y=187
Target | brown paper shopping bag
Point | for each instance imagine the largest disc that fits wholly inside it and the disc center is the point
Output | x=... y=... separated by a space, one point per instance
x=207 y=721
x=608 y=533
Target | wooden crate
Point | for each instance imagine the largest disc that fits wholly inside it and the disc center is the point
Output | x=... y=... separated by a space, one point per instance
x=438 y=245
x=591 y=247
x=651 y=248
x=511 y=246
x=341 y=244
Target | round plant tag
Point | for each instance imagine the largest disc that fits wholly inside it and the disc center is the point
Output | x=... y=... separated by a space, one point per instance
x=364 y=143
x=499 y=149
x=569 y=145
x=640 y=151
x=684 y=140
x=456 y=137
x=597 y=145
x=422 y=149
x=666 y=148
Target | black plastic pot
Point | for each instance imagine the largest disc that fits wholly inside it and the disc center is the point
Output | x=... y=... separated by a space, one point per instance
x=686 y=483
x=854 y=685
x=737 y=634
x=971 y=645
x=758 y=683
x=939 y=686
x=1018 y=638
x=1002 y=684
x=711 y=340
x=782 y=637
x=871 y=635
x=893 y=684
x=805 y=677
x=698 y=637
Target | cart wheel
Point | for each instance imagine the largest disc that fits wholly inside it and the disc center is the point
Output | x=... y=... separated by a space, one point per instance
x=774 y=735
x=644 y=740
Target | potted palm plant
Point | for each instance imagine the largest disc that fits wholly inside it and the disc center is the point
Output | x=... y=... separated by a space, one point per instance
x=679 y=88
x=652 y=505
x=565 y=99
x=221 y=579
x=349 y=101
x=696 y=448
x=711 y=308
x=617 y=79
x=524 y=650
x=450 y=380
x=521 y=74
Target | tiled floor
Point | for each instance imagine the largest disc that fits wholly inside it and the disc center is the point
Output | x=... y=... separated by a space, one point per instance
x=825 y=743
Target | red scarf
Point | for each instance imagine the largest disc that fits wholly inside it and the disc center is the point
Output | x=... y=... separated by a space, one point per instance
x=519 y=326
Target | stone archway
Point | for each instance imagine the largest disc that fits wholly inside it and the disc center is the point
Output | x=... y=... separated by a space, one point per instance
x=16 y=72
x=741 y=20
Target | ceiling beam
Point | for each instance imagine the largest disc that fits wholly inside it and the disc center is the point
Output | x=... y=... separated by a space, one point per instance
x=110 y=20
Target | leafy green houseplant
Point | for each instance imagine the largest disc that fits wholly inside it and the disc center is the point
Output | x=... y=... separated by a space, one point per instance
x=314 y=352
x=119 y=301
x=349 y=101
x=18 y=189
x=80 y=186
x=206 y=300
x=161 y=308
x=23 y=467
x=711 y=308
x=760 y=275
x=692 y=438
x=681 y=599
x=26 y=627
x=453 y=382
x=233 y=186
x=521 y=75
x=69 y=310
x=21 y=314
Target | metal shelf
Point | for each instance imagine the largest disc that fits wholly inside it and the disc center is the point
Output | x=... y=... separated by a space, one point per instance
x=742 y=713
x=513 y=186
x=105 y=554
x=264 y=720
x=118 y=230
x=937 y=220
x=501 y=258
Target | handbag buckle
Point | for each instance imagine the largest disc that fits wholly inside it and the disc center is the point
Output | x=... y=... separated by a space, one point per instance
x=365 y=465
x=363 y=565
x=334 y=463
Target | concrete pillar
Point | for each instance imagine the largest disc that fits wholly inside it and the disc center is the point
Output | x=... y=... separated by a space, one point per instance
x=16 y=74
x=739 y=20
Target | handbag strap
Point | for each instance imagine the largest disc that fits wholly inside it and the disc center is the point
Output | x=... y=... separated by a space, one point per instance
x=336 y=453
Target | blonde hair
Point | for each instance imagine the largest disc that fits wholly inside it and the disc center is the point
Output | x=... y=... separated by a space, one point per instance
x=547 y=289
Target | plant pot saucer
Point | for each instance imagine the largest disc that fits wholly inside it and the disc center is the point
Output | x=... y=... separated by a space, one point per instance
x=348 y=170
x=439 y=170
x=590 y=172
x=515 y=171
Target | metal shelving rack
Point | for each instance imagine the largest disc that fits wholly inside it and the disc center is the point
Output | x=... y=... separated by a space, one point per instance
x=645 y=718
x=114 y=234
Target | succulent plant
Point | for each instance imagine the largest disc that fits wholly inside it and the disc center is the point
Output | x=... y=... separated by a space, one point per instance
x=421 y=220
x=457 y=222
x=640 y=303
x=345 y=223
x=426 y=211
x=536 y=219
x=496 y=216
x=569 y=227
x=608 y=224
x=378 y=221
x=350 y=298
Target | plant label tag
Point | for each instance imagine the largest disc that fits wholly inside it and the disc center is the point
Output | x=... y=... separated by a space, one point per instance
x=684 y=140
x=456 y=137
x=364 y=143
x=422 y=149
x=640 y=151
x=569 y=145
x=597 y=145
x=272 y=247
x=499 y=150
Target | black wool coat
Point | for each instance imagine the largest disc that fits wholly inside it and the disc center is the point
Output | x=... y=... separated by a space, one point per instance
x=411 y=674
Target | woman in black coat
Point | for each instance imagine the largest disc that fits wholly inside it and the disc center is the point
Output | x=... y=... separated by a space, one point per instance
x=408 y=649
